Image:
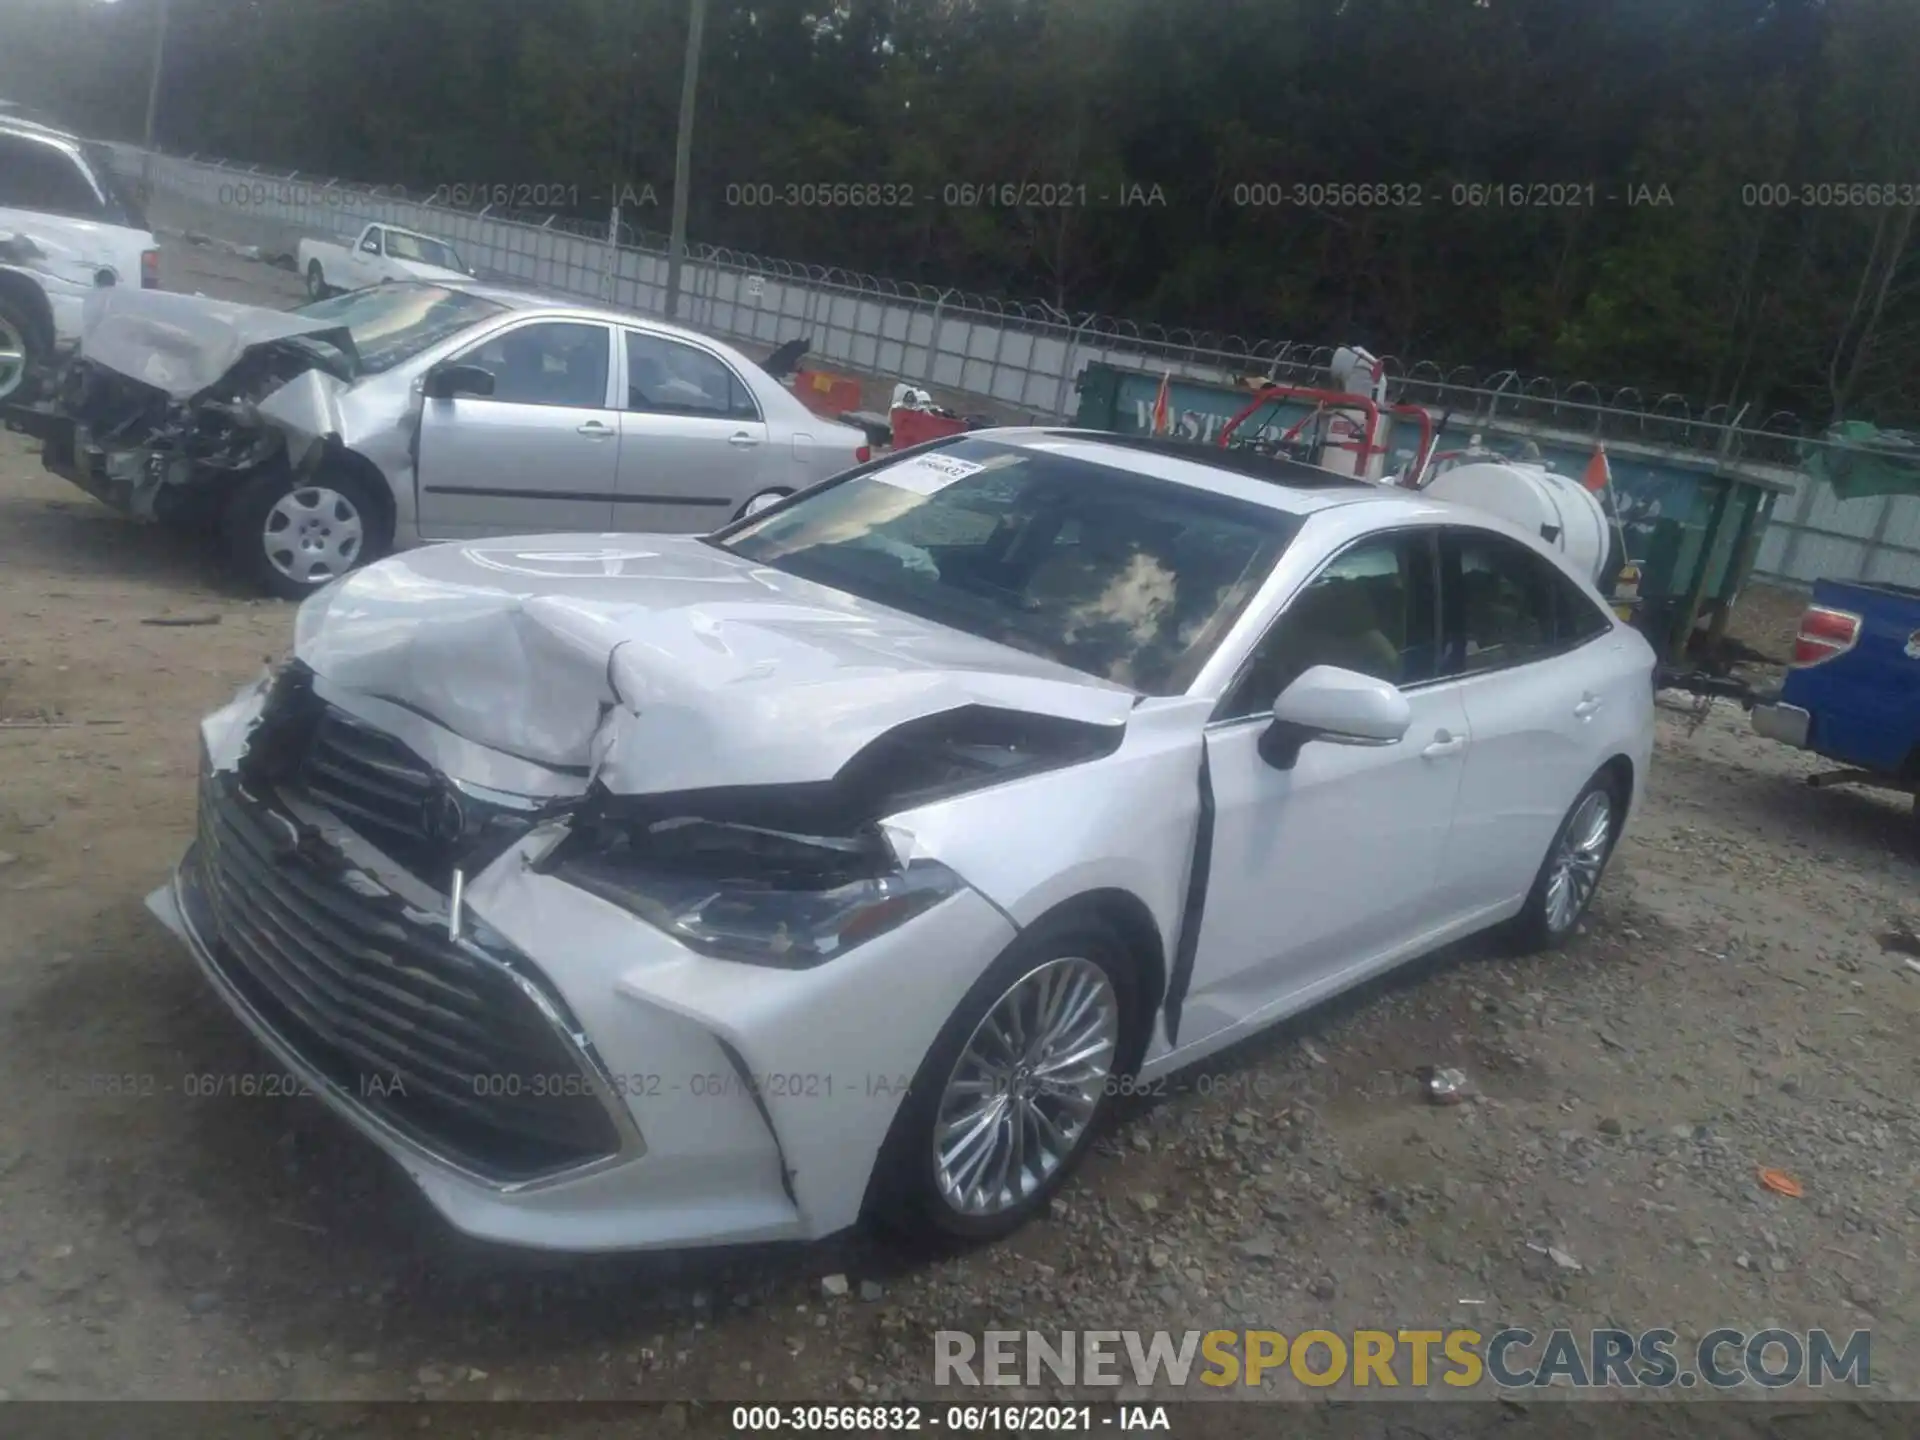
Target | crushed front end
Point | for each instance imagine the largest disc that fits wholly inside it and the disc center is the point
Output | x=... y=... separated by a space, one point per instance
x=444 y=1037
x=170 y=400
x=458 y=971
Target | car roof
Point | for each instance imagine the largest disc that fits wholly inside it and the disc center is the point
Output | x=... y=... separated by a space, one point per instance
x=1273 y=481
x=515 y=299
x=15 y=123
x=409 y=230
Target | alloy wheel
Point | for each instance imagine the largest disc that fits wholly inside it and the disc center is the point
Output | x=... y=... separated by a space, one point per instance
x=313 y=534
x=1026 y=1086
x=13 y=358
x=1578 y=859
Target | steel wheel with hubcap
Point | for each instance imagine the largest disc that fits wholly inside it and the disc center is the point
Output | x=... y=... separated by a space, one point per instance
x=313 y=535
x=1571 y=872
x=756 y=503
x=1026 y=1087
x=290 y=538
x=1012 y=1089
x=316 y=281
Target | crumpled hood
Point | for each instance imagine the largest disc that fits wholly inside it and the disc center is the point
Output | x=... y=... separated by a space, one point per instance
x=660 y=663
x=181 y=344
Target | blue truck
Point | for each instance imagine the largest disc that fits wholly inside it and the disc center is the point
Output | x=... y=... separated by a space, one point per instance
x=1852 y=691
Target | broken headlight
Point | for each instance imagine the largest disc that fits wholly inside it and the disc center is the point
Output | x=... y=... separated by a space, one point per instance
x=749 y=893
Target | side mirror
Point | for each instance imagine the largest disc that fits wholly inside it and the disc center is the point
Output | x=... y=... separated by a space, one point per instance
x=371 y=246
x=1341 y=707
x=448 y=381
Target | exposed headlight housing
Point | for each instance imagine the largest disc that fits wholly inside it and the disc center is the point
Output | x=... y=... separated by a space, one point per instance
x=750 y=893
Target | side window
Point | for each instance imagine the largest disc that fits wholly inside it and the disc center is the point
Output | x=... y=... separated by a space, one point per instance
x=1372 y=608
x=665 y=377
x=1576 y=618
x=371 y=244
x=553 y=362
x=1504 y=599
x=35 y=175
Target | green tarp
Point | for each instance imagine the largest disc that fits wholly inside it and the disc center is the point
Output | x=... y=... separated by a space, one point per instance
x=1858 y=459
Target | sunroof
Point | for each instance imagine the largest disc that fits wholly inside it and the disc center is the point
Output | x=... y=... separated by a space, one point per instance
x=1277 y=469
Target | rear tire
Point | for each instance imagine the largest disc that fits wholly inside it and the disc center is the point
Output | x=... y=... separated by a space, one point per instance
x=25 y=349
x=1571 y=873
x=288 y=537
x=753 y=504
x=316 y=282
x=1052 y=1096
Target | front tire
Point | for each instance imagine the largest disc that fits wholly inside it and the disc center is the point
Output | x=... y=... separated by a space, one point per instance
x=289 y=537
x=316 y=282
x=24 y=350
x=1569 y=876
x=1008 y=1099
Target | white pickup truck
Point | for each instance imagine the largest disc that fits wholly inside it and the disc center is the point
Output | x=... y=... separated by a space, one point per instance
x=382 y=252
x=67 y=227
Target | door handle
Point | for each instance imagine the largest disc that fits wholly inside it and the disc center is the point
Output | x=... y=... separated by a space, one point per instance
x=1444 y=743
x=743 y=440
x=597 y=430
x=1588 y=707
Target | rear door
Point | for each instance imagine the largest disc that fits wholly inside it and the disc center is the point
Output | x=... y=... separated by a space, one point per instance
x=541 y=453
x=1525 y=645
x=693 y=443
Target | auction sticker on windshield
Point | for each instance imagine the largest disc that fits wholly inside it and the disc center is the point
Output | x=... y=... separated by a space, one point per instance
x=928 y=474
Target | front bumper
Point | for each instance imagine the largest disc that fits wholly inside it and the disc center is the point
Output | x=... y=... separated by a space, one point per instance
x=1789 y=724
x=117 y=479
x=751 y=1103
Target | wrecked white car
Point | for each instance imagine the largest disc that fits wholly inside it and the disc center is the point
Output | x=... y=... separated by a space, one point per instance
x=656 y=891
x=313 y=441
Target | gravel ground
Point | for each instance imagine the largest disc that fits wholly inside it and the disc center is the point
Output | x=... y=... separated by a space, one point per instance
x=1740 y=997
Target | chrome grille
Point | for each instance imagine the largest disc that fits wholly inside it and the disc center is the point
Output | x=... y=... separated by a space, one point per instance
x=397 y=801
x=368 y=779
x=440 y=1039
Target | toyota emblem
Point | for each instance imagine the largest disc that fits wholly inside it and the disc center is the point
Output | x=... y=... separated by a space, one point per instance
x=442 y=818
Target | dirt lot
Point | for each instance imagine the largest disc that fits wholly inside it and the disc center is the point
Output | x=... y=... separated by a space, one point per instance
x=1730 y=1005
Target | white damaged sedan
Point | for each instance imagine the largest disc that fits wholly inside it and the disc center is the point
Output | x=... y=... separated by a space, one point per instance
x=637 y=890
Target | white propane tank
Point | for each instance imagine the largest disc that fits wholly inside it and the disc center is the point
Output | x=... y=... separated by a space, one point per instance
x=1559 y=509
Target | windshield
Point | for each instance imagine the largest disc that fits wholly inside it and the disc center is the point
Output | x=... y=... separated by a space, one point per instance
x=403 y=246
x=1115 y=574
x=393 y=323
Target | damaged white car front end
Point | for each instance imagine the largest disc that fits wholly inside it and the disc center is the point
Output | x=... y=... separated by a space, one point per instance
x=640 y=891
x=473 y=794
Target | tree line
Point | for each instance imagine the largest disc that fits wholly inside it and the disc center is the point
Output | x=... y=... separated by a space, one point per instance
x=1710 y=197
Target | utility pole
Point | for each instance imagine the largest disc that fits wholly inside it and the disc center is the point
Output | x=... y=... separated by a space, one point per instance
x=683 y=157
x=623 y=153
x=153 y=92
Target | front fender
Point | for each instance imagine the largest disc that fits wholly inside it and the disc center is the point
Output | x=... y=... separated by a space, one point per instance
x=1125 y=822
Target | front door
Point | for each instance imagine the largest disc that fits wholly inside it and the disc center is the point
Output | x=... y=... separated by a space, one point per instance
x=363 y=261
x=1316 y=870
x=542 y=453
x=693 y=446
